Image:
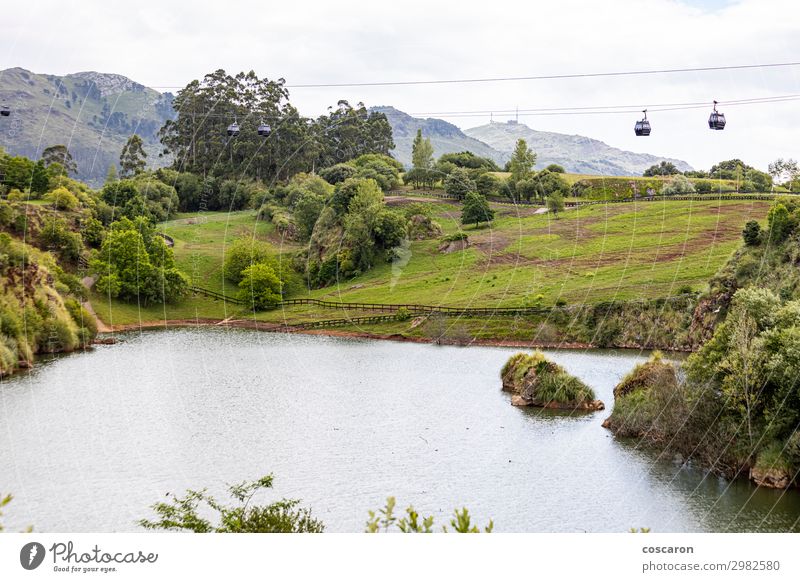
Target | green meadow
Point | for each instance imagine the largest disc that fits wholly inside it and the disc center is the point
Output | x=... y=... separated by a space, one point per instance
x=585 y=255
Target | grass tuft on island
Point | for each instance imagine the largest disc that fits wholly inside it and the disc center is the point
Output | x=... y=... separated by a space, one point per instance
x=535 y=381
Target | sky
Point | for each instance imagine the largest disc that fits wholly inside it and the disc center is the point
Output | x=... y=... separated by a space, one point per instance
x=167 y=44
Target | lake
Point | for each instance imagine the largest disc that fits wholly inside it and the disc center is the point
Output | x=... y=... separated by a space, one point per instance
x=91 y=440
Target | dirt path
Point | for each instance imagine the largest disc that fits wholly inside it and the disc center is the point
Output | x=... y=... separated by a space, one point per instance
x=87 y=305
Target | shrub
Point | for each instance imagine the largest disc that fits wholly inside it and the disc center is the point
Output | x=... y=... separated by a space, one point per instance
x=260 y=287
x=338 y=173
x=56 y=236
x=679 y=184
x=752 y=233
x=245 y=517
x=62 y=199
x=780 y=223
x=16 y=195
x=243 y=253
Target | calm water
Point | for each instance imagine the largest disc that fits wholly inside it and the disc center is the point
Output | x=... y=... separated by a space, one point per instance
x=88 y=442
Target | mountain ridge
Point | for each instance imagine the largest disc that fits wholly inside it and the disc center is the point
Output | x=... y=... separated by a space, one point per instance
x=576 y=153
x=92 y=113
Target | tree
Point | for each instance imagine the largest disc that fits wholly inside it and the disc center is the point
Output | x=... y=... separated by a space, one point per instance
x=18 y=171
x=338 y=173
x=244 y=252
x=111 y=175
x=476 y=209
x=780 y=223
x=556 y=169
x=421 y=152
x=40 y=179
x=784 y=171
x=197 y=141
x=547 y=183
x=245 y=517
x=306 y=212
x=348 y=132
x=522 y=161
x=421 y=161
x=135 y=264
x=470 y=161
x=664 y=168
x=260 y=287
x=458 y=183
x=555 y=202
x=133 y=159
x=59 y=154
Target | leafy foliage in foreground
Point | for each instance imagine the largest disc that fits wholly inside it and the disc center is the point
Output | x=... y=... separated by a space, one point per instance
x=384 y=521
x=182 y=514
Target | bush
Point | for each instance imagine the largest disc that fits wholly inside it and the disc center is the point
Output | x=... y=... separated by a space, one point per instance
x=780 y=222
x=243 y=253
x=260 y=287
x=279 y=517
x=56 y=237
x=62 y=199
x=678 y=185
x=752 y=233
x=338 y=173
x=16 y=196
x=703 y=186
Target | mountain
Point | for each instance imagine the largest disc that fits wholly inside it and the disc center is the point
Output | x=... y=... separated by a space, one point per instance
x=576 y=153
x=91 y=113
x=445 y=137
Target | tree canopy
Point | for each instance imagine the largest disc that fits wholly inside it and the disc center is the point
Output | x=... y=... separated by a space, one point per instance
x=522 y=162
x=664 y=168
x=133 y=159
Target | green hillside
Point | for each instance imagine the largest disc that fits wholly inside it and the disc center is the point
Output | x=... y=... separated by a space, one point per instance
x=92 y=113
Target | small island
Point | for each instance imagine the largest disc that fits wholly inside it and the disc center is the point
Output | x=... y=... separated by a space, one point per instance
x=535 y=381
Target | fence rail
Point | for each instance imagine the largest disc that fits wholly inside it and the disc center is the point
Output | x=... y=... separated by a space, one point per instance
x=215 y=295
x=417 y=309
x=344 y=321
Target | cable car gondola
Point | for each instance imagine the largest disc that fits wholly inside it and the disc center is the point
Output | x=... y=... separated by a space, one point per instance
x=716 y=120
x=642 y=127
x=264 y=130
x=233 y=129
x=5 y=111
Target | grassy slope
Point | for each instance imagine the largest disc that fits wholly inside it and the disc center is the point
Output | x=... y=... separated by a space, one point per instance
x=588 y=255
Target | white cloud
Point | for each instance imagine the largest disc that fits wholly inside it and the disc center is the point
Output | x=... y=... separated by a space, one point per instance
x=168 y=44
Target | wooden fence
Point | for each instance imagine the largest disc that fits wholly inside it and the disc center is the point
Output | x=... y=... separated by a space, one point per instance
x=215 y=295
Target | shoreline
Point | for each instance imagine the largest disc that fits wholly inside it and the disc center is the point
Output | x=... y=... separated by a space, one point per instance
x=275 y=327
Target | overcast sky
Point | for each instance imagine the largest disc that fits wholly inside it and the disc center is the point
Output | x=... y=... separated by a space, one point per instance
x=166 y=44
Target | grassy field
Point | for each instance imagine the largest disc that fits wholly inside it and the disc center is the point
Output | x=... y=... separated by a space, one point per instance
x=586 y=255
x=202 y=238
